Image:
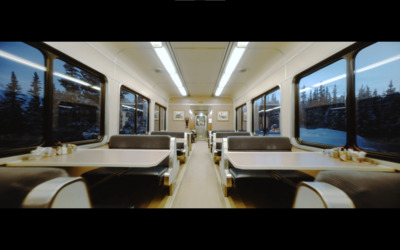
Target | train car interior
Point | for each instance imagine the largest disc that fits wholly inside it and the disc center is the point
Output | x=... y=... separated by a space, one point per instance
x=199 y=124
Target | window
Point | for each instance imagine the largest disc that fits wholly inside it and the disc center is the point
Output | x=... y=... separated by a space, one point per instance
x=241 y=118
x=266 y=113
x=357 y=93
x=322 y=109
x=159 y=117
x=76 y=103
x=142 y=113
x=22 y=74
x=45 y=97
x=134 y=112
x=377 y=86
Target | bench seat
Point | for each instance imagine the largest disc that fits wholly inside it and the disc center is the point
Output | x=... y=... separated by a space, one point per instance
x=104 y=179
x=232 y=175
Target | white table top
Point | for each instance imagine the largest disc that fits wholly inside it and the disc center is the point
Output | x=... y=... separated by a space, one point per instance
x=296 y=161
x=100 y=158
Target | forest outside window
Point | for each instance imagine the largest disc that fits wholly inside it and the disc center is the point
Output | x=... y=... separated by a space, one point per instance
x=76 y=103
x=322 y=108
x=377 y=85
x=22 y=84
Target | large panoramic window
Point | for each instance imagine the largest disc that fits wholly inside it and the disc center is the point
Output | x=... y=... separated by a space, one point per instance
x=76 y=103
x=322 y=108
x=134 y=112
x=22 y=74
x=351 y=99
x=46 y=97
x=377 y=85
x=266 y=113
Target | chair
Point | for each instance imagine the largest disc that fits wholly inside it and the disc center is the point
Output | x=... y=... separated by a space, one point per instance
x=40 y=187
x=231 y=175
x=350 y=189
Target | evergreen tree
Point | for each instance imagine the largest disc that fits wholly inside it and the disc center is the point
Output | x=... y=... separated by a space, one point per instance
x=334 y=93
x=34 y=111
x=391 y=89
x=71 y=86
x=12 y=108
x=375 y=93
x=303 y=96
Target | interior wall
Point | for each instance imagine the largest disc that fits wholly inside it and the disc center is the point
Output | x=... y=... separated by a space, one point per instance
x=215 y=105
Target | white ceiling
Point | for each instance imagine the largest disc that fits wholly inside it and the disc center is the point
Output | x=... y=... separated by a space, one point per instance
x=200 y=64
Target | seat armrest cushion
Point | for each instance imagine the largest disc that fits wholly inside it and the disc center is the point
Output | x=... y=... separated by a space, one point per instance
x=321 y=195
x=366 y=189
x=17 y=182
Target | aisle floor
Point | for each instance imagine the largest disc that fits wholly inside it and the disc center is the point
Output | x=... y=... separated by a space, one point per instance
x=199 y=186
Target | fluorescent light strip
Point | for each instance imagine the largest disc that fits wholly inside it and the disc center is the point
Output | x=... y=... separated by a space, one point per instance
x=21 y=60
x=269 y=110
x=129 y=107
x=69 y=78
x=380 y=63
x=166 y=60
x=234 y=59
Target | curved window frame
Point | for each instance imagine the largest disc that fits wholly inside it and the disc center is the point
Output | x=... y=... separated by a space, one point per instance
x=349 y=54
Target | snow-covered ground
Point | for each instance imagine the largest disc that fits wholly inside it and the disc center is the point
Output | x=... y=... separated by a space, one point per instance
x=338 y=138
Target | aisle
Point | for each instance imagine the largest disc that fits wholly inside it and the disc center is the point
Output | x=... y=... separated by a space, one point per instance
x=199 y=187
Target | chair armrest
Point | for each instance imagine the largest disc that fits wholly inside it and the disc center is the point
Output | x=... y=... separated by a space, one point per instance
x=223 y=164
x=321 y=195
x=61 y=192
x=173 y=166
x=214 y=143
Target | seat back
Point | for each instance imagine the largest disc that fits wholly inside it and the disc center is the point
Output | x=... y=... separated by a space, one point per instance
x=218 y=145
x=259 y=143
x=210 y=134
x=139 y=142
x=176 y=134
